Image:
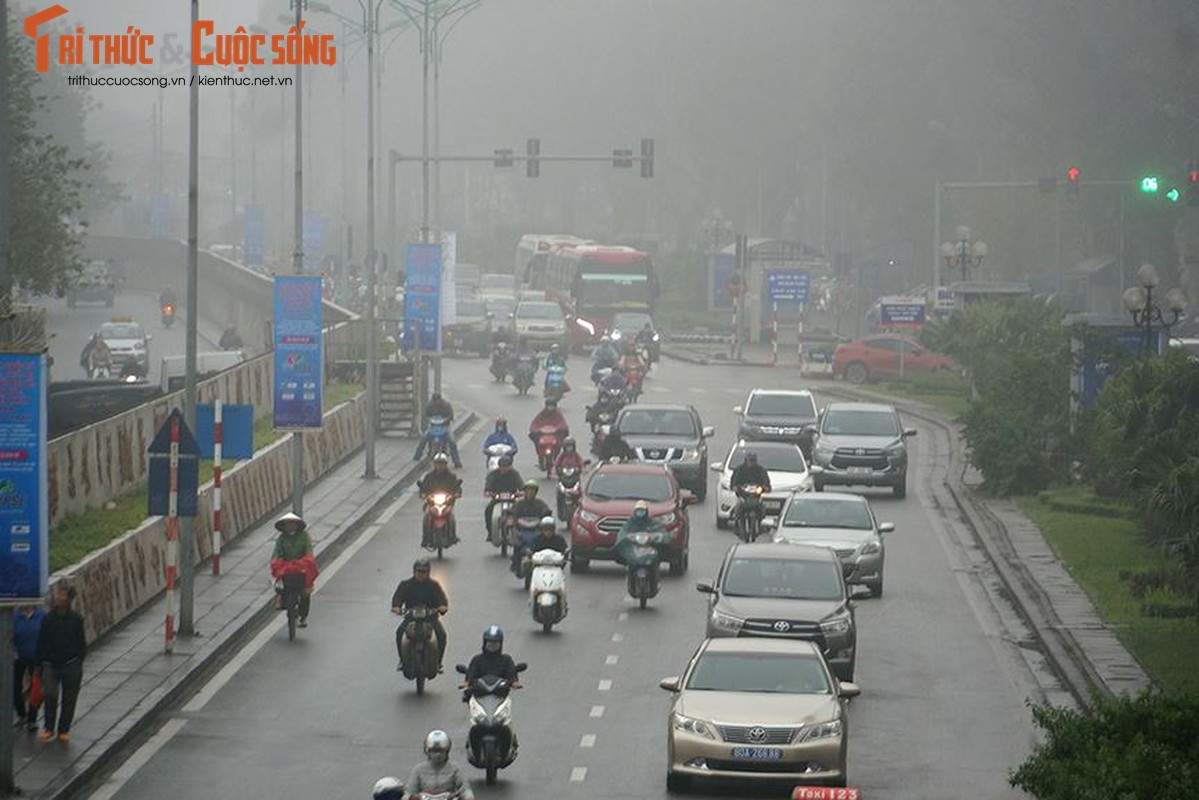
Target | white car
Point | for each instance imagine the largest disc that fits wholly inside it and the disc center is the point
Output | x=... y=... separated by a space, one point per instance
x=541 y=323
x=785 y=464
x=129 y=344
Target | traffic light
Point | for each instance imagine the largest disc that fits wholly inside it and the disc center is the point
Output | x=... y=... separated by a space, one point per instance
x=1193 y=184
x=1073 y=174
x=1149 y=184
x=533 y=163
x=647 y=158
x=1173 y=194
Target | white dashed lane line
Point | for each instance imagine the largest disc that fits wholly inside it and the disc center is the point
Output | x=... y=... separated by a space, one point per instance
x=618 y=637
x=623 y=616
x=588 y=740
x=605 y=685
x=611 y=660
x=578 y=774
x=597 y=712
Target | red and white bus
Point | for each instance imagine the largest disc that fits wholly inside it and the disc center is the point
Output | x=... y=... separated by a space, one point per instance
x=532 y=252
x=593 y=282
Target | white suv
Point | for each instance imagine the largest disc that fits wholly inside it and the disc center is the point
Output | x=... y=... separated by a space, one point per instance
x=541 y=323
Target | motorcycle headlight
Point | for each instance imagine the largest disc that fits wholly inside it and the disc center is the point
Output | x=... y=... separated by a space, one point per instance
x=821 y=730
x=440 y=498
x=871 y=547
x=587 y=516
x=616 y=336
x=692 y=725
x=639 y=538
x=835 y=625
x=656 y=337
x=668 y=519
x=727 y=622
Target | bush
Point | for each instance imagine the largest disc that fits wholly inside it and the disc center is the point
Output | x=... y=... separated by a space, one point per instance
x=1128 y=748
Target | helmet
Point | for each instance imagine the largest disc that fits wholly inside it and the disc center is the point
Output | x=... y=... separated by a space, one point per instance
x=548 y=522
x=441 y=458
x=505 y=461
x=501 y=423
x=388 y=789
x=435 y=396
x=437 y=747
x=555 y=348
x=569 y=443
x=750 y=455
x=290 y=520
x=641 y=509
x=421 y=565
x=493 y=639
x=531 y=484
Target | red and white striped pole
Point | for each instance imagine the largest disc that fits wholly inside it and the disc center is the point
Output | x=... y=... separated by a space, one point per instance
x=216 y=487
x=172 y=534
x=774 y=335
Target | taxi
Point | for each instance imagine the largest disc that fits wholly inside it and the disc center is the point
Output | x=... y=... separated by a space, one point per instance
x=129 y=344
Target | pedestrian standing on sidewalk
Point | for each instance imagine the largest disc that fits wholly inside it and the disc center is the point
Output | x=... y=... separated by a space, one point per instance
x=27 y=624
x=61 y=648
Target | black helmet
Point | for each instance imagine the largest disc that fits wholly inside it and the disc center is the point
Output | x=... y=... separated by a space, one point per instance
x=493 y=635
x=569 y=442
x=505 y=461
x=750 y=455
x=421 y=565
x=551 y=403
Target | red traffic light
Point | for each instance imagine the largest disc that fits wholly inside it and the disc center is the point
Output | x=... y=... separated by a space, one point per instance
x=1193 y=177
x=1073 y=174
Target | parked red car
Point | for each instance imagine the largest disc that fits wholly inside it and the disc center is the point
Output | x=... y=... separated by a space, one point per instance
x=608 y=500
x=874 y=357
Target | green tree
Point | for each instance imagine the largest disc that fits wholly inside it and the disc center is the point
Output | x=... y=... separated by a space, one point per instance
x=1141 y=748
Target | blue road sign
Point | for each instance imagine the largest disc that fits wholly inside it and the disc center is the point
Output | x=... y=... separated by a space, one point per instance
x=299 y=367
x=237 y=430
x=254 y=235
x=788 y=287
x=24 y=501
x=188 y=478
x=311 y=236
x=422 y=297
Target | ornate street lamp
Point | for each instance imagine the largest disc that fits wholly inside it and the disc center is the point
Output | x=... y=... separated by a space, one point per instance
x=962 y=253
x=1138 y=301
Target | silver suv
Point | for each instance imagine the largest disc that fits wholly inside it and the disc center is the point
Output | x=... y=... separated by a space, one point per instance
x=861 y=444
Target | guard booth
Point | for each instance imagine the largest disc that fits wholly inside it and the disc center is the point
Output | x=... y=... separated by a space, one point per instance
x=790 y=273
x=1101 y=345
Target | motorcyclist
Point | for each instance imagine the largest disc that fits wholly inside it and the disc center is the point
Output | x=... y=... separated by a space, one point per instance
x=96 y=355
x=614 y=381
x=501 y=335
x=167 y=298
x=645 y=336
x=614 y=446
x=528 y=506
x=500 y=436
x=295 y=545
x=548 y=537
x=231 y=339
x=748 y=473
x=501 y=480
x=420 y=591
x=604 y=356
x=569 y=456
x=438 y=479
x=527 y=356
x=439 y=407
x=555 y=357
x=437 y=775
x=640 y=522
x=631 y=358
x=549 y=417
x=492 y=660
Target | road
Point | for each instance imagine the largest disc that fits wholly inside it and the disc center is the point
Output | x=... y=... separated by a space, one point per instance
x=942 y=714
x=72 y=327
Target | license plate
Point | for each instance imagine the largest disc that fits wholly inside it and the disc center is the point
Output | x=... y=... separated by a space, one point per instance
x=859 y=470
x=758 y=753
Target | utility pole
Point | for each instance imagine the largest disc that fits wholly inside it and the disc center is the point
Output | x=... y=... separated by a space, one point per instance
x=297 y=437
x=372 y=255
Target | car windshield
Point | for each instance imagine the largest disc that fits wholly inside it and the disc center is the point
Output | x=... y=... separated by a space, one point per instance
x=774 y=459
x=493 y=281
x=817 y=512
x=782 y=405
x=539 y=311
x=759 y=672
x=500 y=307
x=470 y=308
x=631 y=322
x=657 y=423
x=783 y=579
x=121 y=330
x=627 y=486
x=859 y=422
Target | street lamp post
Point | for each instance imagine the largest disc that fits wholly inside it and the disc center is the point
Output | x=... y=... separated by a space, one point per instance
x=962 y=253
x=1138 y=301
x=297 y=447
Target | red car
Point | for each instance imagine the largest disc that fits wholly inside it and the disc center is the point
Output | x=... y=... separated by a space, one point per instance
x=874 y=357
x=607 y=501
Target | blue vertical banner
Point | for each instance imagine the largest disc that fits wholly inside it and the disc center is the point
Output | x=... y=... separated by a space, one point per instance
x=422 y=298
x=314 y=228
x=160 y=216
x=254 y=235
x=299 y=367
x=24 y=500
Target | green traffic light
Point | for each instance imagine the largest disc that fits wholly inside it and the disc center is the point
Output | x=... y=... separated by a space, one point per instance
x=1173 y=195
x=1149 y=184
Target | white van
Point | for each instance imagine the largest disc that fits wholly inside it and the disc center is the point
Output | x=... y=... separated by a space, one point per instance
x=174 y=368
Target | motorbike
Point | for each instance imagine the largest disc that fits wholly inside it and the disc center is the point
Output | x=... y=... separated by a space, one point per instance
x=439 y=528
x=495 y=452
x=749 y=512
x=500 y=358
x=643 y=352
x=168 y=315
x=438 y=434
x=642 y=554
x=99 y=372
x=549 y=443
x=289 y=587
x=569 y=491
x=491 y=743
x=522 y=375
x=418 y=650
x=555 y=382
x=501 y=522
x=547 y=591
x=635 y=376
x=525 y=532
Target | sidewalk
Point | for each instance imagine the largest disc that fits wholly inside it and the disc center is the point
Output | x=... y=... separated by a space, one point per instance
x=128 y=677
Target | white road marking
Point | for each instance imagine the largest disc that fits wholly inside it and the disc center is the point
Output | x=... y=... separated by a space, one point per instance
x=117 y=780
x=618 y=637
x=611 y=660
x=597 y=712
x=605 y=685
x=588 y=740
x=578 y=774
x=623 y=616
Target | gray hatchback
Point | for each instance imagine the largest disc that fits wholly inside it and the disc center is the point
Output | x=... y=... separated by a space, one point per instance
x=861 y=444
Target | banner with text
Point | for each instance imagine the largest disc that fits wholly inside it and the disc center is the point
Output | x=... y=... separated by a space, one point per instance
x=24 y=502
x=422 y=298
x=896 y=311
x=299 y=366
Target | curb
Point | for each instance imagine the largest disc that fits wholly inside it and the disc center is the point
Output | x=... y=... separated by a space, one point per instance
x=132 y=730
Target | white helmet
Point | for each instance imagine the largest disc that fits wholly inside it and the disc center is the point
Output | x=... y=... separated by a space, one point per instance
x=290 y=520
x=437 y=747
x=388 y=789
x=548 y=522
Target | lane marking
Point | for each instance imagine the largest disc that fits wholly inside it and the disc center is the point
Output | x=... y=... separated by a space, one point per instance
x=597 y=712
x=623 y=616
x=588 y=740
x=117 y=780
x=611 y=660
x=698 y=390
x=618 y=637
x=578 y=774
x=605 y=685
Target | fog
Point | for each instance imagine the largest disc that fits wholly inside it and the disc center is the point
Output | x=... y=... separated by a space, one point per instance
x=826 y=122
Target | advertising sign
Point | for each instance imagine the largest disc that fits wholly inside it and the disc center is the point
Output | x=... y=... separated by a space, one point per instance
x=313 y=230
x=788 y=287
x=422 y=298
x=449 y=284
x=24 y=502
x=897 y=311
x=299 y=366
x=945 y=300
x=254 y=239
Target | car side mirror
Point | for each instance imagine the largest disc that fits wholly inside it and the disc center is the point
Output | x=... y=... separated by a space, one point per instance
x=909 y=432
x=687 y=498
x=708 y=432
x=461 y=668
x=737 y=410
x=716 y=466
x=521 y=667
x=849 y=690
x=886 y=527
x=669 y=684
x=705 y=588
x=815 y=469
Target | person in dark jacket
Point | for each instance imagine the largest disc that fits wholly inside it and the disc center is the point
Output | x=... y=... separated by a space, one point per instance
x=504 y=479
x=61 y=648
x=492 y=660
x=420 y=591
x=438 y=406
x=27 y=624
x=231 y=339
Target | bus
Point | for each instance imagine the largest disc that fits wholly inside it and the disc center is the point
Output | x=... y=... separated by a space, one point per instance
x=593 y=282
x=532 y=251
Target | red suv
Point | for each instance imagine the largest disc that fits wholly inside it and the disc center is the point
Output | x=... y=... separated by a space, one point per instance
x=607 y=501
x=873 y=357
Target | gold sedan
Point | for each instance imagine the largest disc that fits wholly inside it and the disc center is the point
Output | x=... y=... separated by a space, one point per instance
x=757 y=708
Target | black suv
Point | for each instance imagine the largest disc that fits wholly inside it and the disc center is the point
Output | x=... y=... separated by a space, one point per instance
x=779 y=415
x=672 y=435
